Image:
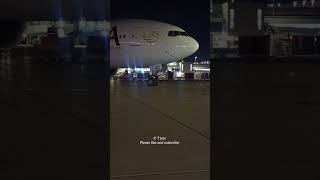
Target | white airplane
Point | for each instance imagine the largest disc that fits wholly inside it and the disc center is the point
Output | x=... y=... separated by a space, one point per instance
x=137 y=43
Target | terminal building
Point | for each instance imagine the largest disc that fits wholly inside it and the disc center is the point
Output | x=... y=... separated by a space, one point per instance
x=270 y=28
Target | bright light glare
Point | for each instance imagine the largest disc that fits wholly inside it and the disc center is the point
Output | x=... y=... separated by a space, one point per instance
x=201 y=69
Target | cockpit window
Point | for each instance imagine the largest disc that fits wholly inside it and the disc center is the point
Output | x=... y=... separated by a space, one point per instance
x=184 y=34
x=177 y=33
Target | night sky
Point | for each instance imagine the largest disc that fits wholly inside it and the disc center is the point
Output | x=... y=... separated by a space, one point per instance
x=191 y=16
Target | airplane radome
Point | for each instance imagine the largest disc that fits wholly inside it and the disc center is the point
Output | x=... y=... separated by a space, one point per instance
x=142 y=43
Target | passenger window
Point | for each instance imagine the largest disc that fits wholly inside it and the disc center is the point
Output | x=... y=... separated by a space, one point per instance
x=124 y=36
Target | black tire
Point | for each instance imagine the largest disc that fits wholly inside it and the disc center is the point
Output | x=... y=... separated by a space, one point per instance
x=151 y=81
x=156 y=82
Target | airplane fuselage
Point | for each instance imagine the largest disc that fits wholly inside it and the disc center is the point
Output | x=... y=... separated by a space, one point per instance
x=141 y=43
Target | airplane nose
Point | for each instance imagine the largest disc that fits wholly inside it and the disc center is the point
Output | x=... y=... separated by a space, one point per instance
x=195 y=45
x=185 y=47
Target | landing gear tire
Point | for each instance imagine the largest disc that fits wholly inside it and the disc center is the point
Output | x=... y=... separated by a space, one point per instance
x=153 y=81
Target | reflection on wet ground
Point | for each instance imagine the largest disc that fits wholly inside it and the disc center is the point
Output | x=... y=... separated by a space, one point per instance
x=53 y=118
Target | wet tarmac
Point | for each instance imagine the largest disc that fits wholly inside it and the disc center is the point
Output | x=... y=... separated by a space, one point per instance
x=175 y=110
x=265 y=119
x=53 y=119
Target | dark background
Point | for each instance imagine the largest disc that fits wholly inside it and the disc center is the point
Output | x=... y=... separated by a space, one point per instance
x=265 y=111
x=53 y=114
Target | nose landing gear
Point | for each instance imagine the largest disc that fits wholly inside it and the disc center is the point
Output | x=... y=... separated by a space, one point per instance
x=153 y=80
